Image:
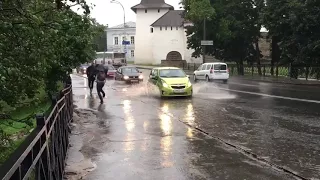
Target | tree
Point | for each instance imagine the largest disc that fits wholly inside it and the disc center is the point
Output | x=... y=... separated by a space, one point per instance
x=40 y=42
x=233 y=30
x=293 y=27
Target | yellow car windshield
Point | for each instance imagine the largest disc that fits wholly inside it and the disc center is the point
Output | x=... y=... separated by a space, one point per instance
x=171 y=73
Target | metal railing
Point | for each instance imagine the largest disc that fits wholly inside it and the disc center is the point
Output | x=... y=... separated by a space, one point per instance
x=267 y=70
x=41 y=156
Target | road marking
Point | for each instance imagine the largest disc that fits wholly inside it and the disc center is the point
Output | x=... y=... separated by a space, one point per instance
x=274 y=86
x=272 y=96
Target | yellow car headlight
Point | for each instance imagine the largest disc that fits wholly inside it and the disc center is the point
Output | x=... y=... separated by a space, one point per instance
x=165 y=85
x=189 y=84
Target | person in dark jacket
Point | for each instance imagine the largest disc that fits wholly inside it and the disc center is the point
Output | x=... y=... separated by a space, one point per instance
x=91 y=74
x=101 y=79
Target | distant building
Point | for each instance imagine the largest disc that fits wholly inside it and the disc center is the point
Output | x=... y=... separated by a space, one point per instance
x=160 y=33
x=115 y=36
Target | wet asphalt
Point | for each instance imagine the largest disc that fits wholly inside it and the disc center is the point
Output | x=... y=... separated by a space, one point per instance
x=240 y=130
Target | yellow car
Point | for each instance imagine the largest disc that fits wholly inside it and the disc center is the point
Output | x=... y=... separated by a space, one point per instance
x=171 y=81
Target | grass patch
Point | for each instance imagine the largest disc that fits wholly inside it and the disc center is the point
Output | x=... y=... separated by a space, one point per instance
x=22 y=120
x=12 y=127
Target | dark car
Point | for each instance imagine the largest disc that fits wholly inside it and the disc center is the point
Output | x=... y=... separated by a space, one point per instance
x=128 y=74
x=111 y=70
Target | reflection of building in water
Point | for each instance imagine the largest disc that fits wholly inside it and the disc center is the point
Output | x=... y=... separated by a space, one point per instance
x=166 y=148
x=129 y=120
x=189 y=117
x=130 y=124
x=166 y=124
x=166 y=139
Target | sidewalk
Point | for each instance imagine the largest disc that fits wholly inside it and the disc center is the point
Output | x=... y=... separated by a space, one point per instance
x=281 y=80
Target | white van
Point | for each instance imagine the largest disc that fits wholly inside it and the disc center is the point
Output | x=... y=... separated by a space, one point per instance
x=212 y=71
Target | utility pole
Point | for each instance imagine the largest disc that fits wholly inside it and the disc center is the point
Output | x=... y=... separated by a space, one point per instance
x=105 y=45
x=124 y=26
x=204 y=38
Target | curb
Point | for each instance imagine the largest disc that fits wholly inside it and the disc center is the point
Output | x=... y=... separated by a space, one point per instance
x=257 y=80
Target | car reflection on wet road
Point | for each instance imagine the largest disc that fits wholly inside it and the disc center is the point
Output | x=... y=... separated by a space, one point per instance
x=239 y=130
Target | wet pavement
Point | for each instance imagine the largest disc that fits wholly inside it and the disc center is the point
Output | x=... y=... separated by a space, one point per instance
x=239 y=130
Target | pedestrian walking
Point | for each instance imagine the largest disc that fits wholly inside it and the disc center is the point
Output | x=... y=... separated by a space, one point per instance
x=101 y=79
x=91 y=74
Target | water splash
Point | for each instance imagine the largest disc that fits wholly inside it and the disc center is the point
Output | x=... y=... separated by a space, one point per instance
x=146 y=89
x=210 y=91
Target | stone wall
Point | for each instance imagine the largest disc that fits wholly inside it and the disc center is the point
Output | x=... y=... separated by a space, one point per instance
x=264 y=45
x=173 y=63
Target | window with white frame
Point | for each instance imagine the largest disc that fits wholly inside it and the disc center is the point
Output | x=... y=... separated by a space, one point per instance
x=132 y=53
x=132 y=39
x=116 y=40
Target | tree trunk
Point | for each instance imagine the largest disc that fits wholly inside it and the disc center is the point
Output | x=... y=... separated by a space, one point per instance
x=258 y=57
x=240 y=67
x=275 y=53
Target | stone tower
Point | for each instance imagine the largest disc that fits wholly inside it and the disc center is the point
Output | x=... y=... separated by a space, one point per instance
x=147 y=12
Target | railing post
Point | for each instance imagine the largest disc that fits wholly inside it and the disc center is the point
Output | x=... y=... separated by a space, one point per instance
x=252 y=69
x=277 y=70
x=40 y=120
x=54 y=100
x=307 y=73
x=264 y=70
x=43 y=167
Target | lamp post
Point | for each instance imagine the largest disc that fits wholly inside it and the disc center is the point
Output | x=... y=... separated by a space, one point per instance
x=204 y=38
x=124 y=20
x=106 y=44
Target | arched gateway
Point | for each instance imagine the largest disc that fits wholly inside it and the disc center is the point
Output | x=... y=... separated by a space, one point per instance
x=174 y=56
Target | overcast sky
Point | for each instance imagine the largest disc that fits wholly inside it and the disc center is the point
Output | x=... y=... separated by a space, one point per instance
x=112 y=14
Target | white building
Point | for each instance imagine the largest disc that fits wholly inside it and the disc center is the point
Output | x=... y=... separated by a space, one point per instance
x=115 y=36
x=160 y=33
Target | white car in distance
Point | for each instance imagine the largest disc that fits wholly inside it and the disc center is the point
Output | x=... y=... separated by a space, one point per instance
x=212 y=71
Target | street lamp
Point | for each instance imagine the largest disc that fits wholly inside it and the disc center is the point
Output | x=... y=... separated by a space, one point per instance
x=106 y=43
x=124 y=19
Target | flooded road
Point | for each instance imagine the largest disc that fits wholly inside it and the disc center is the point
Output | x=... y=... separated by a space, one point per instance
x=224 y=132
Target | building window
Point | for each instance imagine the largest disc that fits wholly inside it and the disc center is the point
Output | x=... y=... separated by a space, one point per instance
x=151 y=29
x=132 y=40
x=171 y=28
x=166 y=28
x=145 y=10
x=160 y=28
x=158 y=10
x=116 y=40
x=132 y=53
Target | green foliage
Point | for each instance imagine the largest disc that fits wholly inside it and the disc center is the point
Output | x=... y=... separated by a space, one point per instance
x=100 y=40
x=197 y=10
x=233 y=30
x=40 y=44
x=295 y=23
x=234 y=26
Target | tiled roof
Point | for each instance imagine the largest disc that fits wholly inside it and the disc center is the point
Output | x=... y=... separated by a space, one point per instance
x=129 y=24
x=152 y=4
x=171 y=18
